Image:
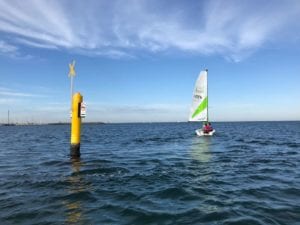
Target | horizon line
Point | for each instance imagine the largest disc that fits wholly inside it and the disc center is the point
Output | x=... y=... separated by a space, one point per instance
x=132 y=122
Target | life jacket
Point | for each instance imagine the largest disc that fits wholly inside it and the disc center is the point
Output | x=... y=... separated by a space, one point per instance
x=207 y=129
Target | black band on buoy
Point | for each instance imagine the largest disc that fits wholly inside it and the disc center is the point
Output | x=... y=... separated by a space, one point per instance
x=75 y=150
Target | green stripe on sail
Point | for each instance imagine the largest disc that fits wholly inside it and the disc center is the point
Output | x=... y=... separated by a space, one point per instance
x=201 y=107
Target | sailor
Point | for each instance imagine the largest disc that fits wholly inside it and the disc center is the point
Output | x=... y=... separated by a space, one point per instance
x=203 y=127
x=207 y=128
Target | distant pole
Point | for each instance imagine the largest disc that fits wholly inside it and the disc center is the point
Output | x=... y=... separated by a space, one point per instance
x=8 y=117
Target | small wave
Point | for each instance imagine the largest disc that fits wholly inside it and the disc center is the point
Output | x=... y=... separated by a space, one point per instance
x=274 y=142
x=127 y=196
x=172 y=193
x=244 y=221
x=293 y=145
x=258 y=177
x=267 y=171
x=171 y=216
x=261 y=142
x=159 y=140
x=104 y=171
x=97 y=161
x=239 y=147
x=57 y=163
x=292 y=153
x=202 y=191
x=291 y=191
x=77 y=194
x=216 y=216
x=261 y=161
x=21 y=216
x=240 y=140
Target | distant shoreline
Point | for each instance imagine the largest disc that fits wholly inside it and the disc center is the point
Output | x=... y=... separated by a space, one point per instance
x=68 y=123
x=41 y=124
x=102 y=123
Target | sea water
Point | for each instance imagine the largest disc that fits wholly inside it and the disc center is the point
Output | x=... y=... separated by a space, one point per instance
x=155 y=173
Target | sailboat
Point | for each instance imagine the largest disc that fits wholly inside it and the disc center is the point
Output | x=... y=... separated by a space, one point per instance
x=199 y=108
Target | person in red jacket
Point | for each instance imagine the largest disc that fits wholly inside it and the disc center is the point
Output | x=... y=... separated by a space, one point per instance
x=207 y=128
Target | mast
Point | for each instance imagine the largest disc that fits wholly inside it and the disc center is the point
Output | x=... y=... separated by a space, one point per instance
x=8 y=117
x=207 y=91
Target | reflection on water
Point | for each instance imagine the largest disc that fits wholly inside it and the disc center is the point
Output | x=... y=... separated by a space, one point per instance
x=200 y=149
x=201 y=152
x=76 y=186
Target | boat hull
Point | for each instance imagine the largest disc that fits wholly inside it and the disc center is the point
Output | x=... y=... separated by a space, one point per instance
x=200 y=133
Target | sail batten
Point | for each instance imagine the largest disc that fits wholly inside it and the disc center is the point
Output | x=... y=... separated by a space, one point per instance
x=199 y=107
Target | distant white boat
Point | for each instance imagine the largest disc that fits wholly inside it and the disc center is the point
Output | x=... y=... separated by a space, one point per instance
x=199 y=108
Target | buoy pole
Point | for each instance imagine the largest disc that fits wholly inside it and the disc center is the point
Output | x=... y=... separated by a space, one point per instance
x=76 y=125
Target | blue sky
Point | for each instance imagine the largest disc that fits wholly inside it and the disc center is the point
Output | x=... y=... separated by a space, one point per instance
x=137 y=61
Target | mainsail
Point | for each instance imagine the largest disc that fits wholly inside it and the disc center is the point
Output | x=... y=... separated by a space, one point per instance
x=199 y=108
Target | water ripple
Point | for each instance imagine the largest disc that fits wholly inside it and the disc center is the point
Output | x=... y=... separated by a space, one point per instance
x=160 y=173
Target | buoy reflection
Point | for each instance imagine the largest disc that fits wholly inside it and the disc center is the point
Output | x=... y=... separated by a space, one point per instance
x=74 y=208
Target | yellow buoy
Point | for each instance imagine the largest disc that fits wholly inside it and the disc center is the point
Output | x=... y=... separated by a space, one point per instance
x=76 y=124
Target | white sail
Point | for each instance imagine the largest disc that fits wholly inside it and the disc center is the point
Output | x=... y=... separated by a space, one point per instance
x=199 y=108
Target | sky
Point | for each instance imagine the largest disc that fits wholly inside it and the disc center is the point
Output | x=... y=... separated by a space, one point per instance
x=137 y=60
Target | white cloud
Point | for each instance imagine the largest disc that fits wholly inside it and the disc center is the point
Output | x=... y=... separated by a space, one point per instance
x=15 y=94
x=118 y=29
x=12 y=93
x=5 y=101
x=8 y=49
x=35 y=44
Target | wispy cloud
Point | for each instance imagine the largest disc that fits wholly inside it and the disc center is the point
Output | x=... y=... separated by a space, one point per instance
x=5 y=101
x=8 y=93
x=16 y=94
x=121 y=29
x=12 y=51
x=7 y=48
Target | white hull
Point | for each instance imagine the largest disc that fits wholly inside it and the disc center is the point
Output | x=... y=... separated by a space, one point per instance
x=200 y=133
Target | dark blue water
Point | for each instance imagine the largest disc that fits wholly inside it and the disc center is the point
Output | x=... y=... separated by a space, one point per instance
x=160 y=173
